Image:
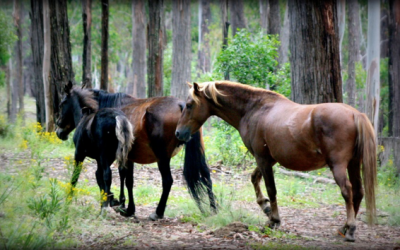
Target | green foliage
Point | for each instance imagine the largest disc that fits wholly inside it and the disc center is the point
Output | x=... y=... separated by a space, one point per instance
x=7 y=37
x=250 y=60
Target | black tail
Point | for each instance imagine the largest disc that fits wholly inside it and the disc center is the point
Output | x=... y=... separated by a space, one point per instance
x=124 y=133
x=196 y=172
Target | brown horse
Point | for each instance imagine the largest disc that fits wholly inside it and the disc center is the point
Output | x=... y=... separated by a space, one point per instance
x=299 y=137
x=154 y=122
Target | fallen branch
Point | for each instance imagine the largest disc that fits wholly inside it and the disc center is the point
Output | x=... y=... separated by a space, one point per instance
x=307 y=176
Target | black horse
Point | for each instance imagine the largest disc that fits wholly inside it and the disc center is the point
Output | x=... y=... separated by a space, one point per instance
x=154 y=122
x=105 y=135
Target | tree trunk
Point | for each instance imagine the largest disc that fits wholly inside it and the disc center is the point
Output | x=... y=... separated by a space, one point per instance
x=61 y=62
x=104 y=44
x=9 y=91
x=237 y=15
x=204 y=61
x=48 y=97
x=274 y=22
x=341 y=18
x=37 y=44
x=264 y=15
x=373 y=59
x=155 y=41
x=394 y=69
x=139 y=49
x=18 y=57
x=314 y=47
x=225 y=28
x=354 y=49
x=284 y=37
x=181 y=48
x=87 y=44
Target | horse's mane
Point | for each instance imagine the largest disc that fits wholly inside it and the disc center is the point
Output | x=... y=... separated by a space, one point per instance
x=211 y=91
x=86 y=98
x=96 y=99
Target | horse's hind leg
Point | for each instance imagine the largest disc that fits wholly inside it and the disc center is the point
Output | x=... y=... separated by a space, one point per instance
x=261 y=199
x=122 y=177
x=265 y=167
x=339 y=173
x=354 y=171
x=130 y=211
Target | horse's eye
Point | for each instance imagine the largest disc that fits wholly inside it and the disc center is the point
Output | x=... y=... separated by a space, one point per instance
x=188 y=106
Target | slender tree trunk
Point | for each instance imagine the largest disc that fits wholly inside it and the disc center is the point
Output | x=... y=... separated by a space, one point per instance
x=225 y=28
x=139 y=49
x=284 y=37
x=204 y=61
x=18 y=56
x=274 y=22
x=354 y=49
x=264 y=15
x=341 y=17
x=87 y=44
x=155 y=41
x=37 y=44
x=238 y=20
x=61 y=61
x=48 y=98
x=181 y=48
x=373 y=62
x=104 y=44
x=314 y=47
x=9 y=91
x=394 y=68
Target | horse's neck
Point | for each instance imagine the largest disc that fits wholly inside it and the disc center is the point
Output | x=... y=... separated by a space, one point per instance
x=239 y=103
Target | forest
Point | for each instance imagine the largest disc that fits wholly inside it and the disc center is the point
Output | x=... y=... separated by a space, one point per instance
x=310 y=52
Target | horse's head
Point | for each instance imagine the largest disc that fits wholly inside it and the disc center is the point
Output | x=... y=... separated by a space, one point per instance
x=195 y=113
x=69 y=107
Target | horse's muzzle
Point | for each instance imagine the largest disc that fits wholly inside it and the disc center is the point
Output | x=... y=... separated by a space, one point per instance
x=183 y=135
x=61 y=134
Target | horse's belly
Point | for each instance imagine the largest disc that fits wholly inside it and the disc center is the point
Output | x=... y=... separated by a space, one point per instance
x=301 y=161
x=142 y=154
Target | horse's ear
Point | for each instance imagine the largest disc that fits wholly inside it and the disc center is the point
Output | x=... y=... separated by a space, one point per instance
x=189 y=84
x=68 y=87
x=196 y=87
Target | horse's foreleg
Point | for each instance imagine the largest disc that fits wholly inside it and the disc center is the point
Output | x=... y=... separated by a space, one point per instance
x=164 y=167
x=262 y=201
x=265 y=165
x=340 y=175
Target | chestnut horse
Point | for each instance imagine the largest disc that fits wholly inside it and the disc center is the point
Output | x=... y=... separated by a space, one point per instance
x=299 y=137
x=154 y=122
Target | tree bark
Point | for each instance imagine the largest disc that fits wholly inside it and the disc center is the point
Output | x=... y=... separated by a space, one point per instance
x=225 y=28
x=394 y=69
x=104 y=44
x=138 y=81
x=341 y=17
x=373 y=62
x=61 y=61
x=181 y=48
x=18 y=78
x=155 y=41
x=204 y=61
x=9 y=91
x=264 y=15
x=314 y=46
x=48 y=98
x=238 y=20
x=87 y=44
x=37 y=44
x=274 y=22
x=354 y=49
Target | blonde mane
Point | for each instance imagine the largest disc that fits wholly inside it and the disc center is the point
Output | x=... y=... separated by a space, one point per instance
x=210 y=90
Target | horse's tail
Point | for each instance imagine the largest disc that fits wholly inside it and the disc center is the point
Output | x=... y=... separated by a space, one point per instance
x=366 y=152
x=124 y=133
x=196 y=171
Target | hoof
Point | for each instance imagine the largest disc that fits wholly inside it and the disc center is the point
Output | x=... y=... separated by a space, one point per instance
x=124 y=212
x=274 y=224
x=114 y=202
x=267 y=210
x=350 y=234
x=155 y=217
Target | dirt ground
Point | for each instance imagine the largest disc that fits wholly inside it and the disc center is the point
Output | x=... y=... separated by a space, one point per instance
x=314 y=228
